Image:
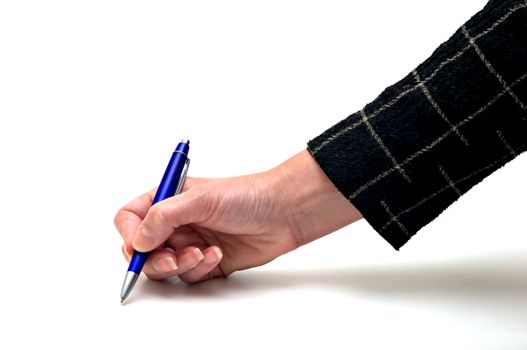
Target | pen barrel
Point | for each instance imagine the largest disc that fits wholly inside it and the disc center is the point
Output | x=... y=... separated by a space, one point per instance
x=167 y=188
x=169 y=183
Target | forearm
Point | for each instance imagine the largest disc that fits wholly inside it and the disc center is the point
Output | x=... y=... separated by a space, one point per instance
x=311 y=204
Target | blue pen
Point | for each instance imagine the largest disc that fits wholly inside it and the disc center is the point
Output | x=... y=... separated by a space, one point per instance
x=171 y=184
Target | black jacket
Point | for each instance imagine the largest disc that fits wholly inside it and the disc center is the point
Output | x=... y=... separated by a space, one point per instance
x=426 y=140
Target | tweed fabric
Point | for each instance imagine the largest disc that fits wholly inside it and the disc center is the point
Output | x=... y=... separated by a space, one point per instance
x=429 y=138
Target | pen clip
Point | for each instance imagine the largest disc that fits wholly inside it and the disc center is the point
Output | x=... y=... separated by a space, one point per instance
x=182 y=177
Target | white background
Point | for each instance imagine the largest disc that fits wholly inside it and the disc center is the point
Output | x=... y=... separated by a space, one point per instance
x=94 y=95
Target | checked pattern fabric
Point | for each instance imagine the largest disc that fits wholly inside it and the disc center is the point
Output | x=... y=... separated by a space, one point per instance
x=429 y=138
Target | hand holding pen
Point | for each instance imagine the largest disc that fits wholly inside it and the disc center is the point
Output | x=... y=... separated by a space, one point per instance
x=171 y=184
x=218 y=226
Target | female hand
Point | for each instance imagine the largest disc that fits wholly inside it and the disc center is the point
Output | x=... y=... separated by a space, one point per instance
x=218 y=226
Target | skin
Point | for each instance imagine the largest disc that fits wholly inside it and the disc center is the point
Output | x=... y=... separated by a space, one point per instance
x=218 y=226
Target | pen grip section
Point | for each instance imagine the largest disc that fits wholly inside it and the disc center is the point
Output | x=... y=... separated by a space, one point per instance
x=137 y=261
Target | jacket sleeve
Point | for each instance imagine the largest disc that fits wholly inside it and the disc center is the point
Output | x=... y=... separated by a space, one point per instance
x=428 y=139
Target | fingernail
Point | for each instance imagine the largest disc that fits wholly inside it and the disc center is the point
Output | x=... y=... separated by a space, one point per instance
x=143 y=241
x=218 y=253
x=165 y=264
x=199 y=255
x=125 y=253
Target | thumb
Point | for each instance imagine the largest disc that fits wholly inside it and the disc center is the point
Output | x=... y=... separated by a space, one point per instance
x=166 y=216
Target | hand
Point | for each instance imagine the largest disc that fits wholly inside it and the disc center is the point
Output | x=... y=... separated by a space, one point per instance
x=218 y=226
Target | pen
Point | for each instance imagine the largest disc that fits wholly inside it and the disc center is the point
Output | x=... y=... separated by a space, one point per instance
x=171 y=184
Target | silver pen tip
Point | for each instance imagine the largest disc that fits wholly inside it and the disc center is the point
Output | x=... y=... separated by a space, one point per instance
x=122 y=300
x=187 y=141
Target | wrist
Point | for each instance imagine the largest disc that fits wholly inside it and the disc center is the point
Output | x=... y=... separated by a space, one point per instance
x=310 y=203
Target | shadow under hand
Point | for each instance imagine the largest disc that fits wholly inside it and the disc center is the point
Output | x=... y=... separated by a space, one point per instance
x=487 y=278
